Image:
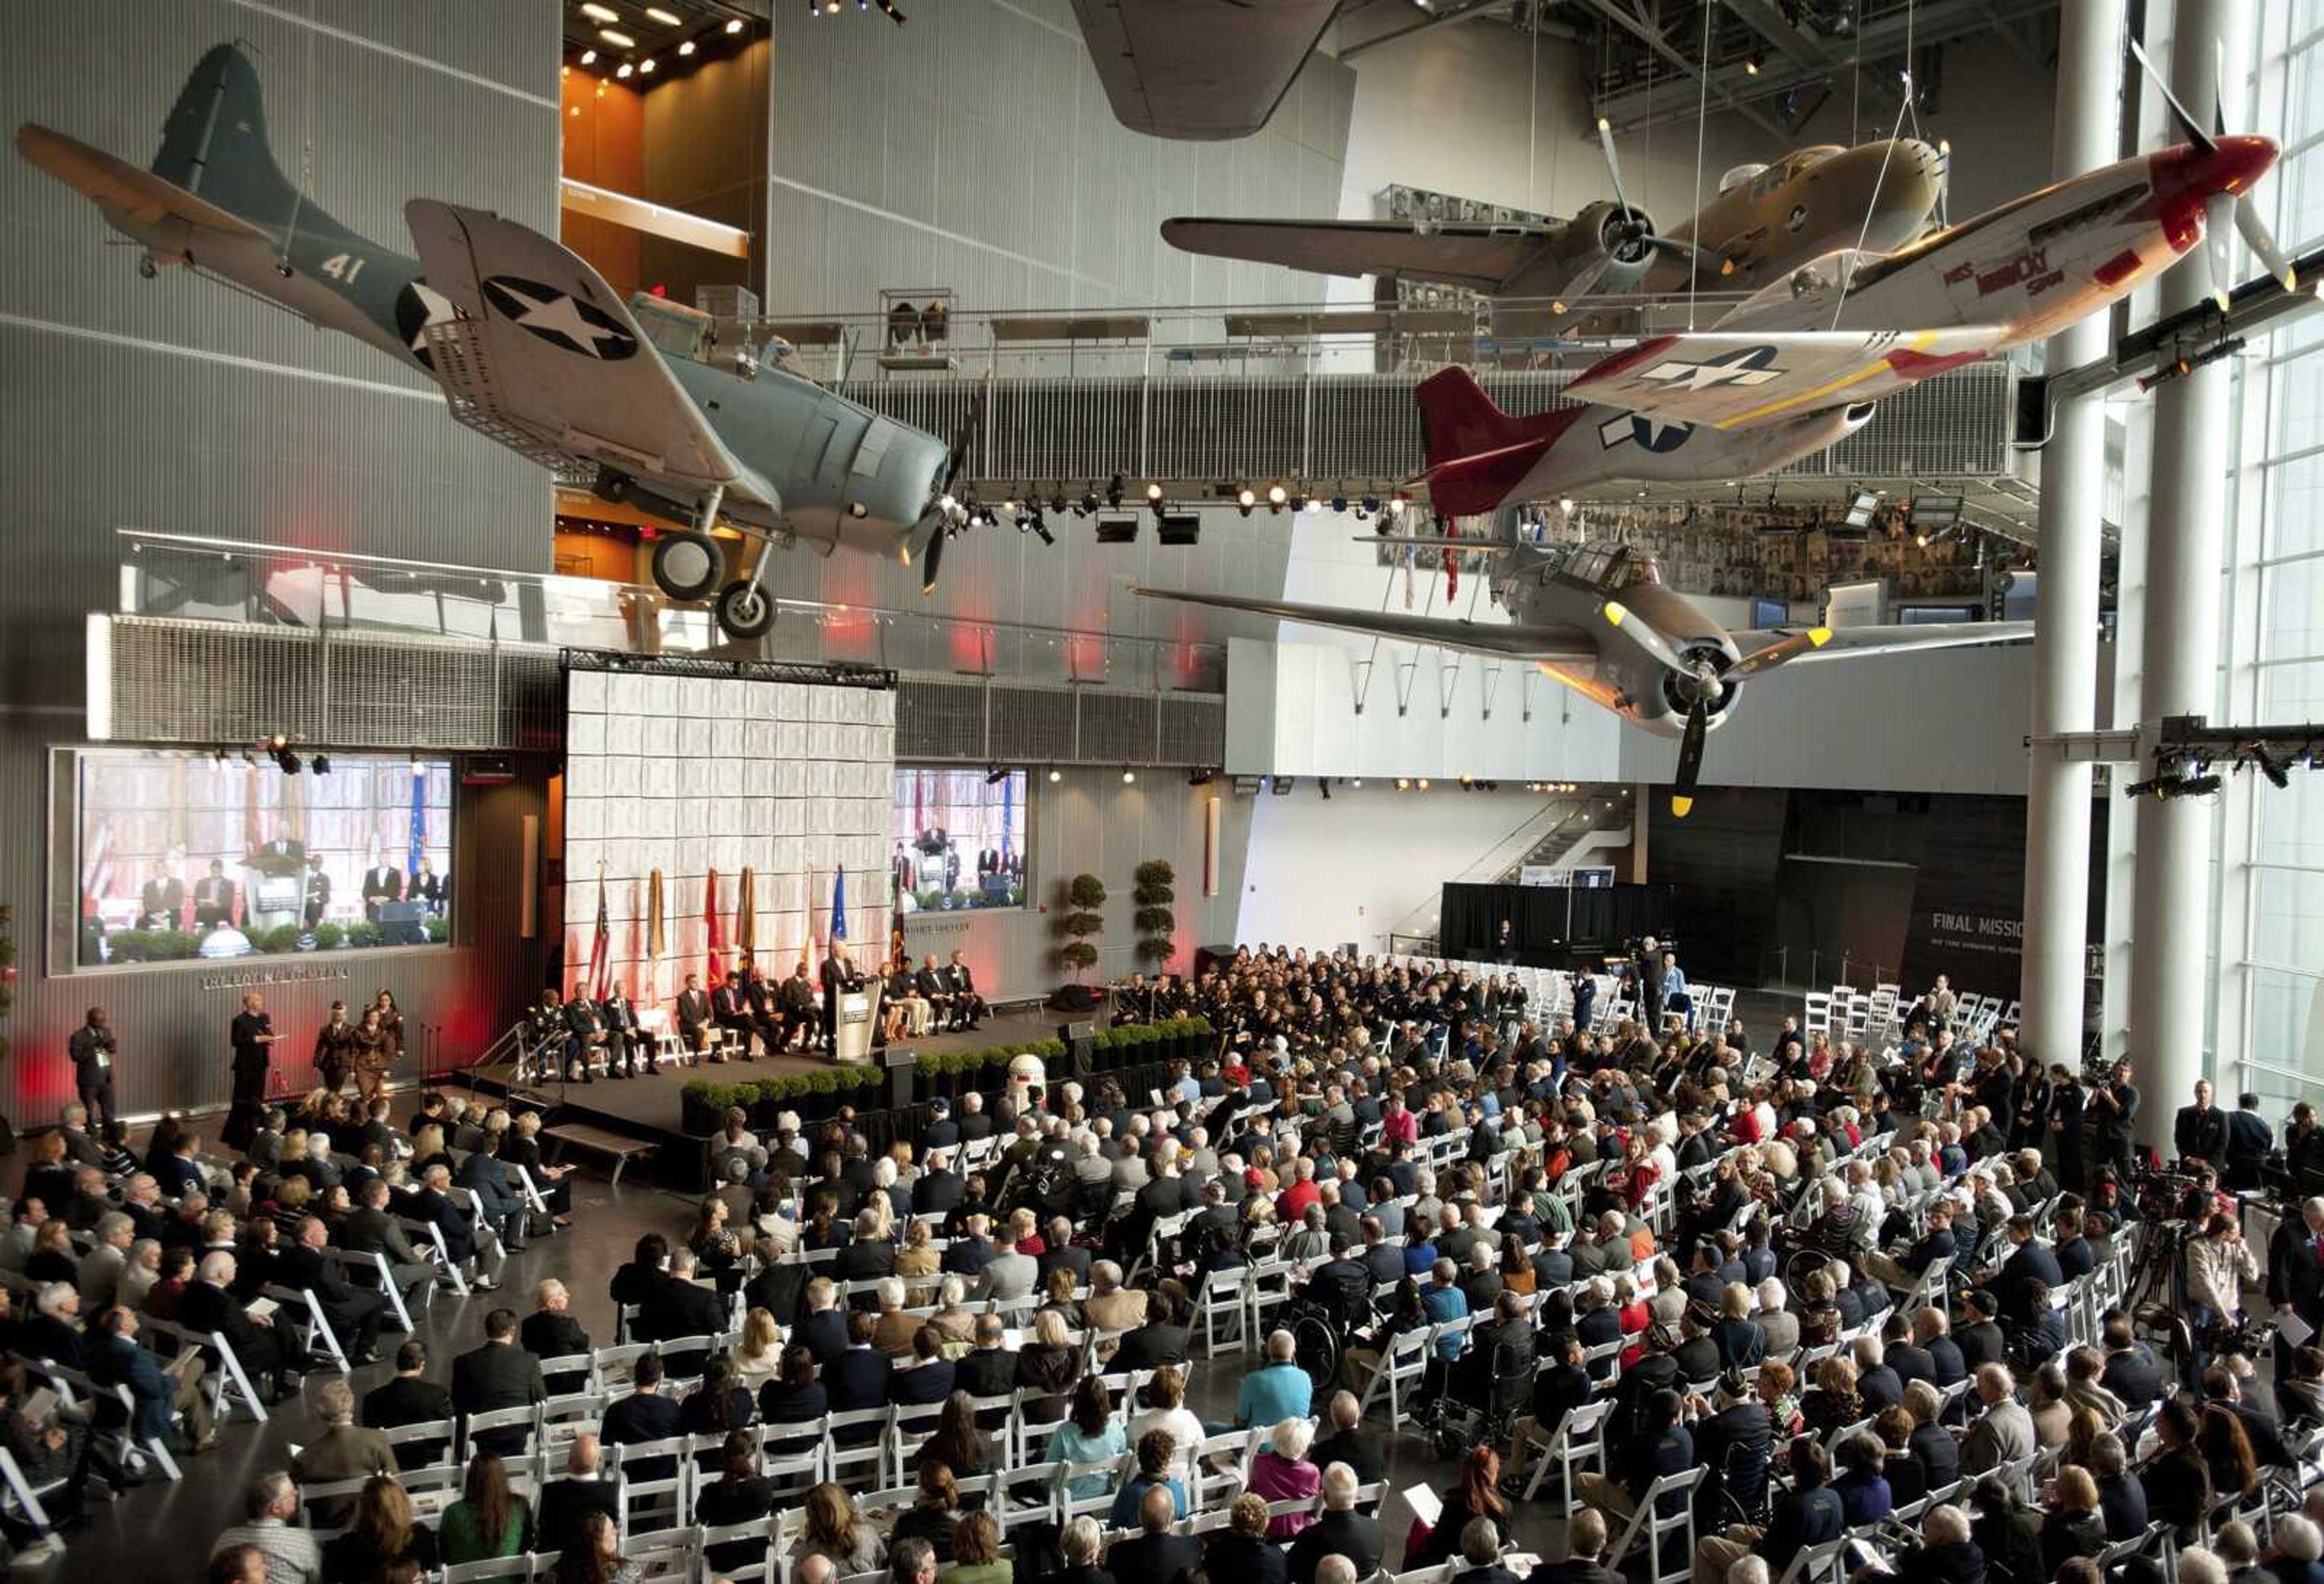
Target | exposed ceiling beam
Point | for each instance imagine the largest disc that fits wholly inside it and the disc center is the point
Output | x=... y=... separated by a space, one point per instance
x=1807 y=51
x=1431 y=19
x=1615 y=13
x=1881 y=39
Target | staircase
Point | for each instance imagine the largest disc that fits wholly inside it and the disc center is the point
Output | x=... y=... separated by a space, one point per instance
x=1545 y=836
x=1575 y=820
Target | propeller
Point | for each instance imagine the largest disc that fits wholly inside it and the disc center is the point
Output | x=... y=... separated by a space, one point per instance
x=943 y=514
x=2221 y=209
x=1777 y=652
x=1689 y=759
x=1614 y=166
x=1636 y=629
x=1697 y=676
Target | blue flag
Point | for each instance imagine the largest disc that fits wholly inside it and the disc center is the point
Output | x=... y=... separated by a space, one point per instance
x=417 y=847
x=839 y=903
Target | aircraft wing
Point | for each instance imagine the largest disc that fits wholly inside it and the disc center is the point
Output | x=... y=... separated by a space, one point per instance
x=1737 y=379
x=1484 y=258
x=546 y=359
x=1895 y=638
x=120 y=189
x=1525 y=643
x=1201 y=69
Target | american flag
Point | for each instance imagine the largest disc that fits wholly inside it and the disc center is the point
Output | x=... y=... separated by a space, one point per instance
x=716 y=942
x=600 y=982
x=97 y=867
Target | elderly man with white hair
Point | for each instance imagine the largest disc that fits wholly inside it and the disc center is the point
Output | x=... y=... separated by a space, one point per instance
x=2296 y=1547
x=98 y=1275
x=1278 y=1389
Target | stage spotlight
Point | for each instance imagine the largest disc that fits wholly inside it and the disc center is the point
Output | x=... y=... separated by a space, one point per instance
x=994 y=776
x=1041 y=530
x=1129 y=777
x=1056 y=776
x=1323 y=784
x=1370 y=503
x=1464 y=782
x=277 y=743
x=2271 y=767
x=1339 y=502
x=1355 y=782
x=1087 y=505
x=1245 y=500
x=1300 y=503
x=218 y=754
x=1424 y=783
x=1275 y=496
x=1199 y=778
x=1113 y=493
x=287 y=761
x=320 y=764
x=1057 y=502
x=1280 y=786
x=1753 y=63
x=1154 y=494
x=1395 y=507
x=1403 y=784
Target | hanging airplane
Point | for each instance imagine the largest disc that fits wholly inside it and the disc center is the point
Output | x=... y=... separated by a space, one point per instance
x=1767 y=219
x=534 y=350
x=1794 y=367
x=1803 y=361
x=1205 y=70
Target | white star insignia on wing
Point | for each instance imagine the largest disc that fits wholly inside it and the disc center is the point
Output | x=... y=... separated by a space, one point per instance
x=1706 y=376
x=562 y=316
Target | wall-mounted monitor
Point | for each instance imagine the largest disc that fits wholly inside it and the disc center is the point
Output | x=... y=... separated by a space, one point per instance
x=184 y=857
x=959 y=839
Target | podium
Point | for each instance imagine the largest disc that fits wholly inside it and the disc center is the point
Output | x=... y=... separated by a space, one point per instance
x=858 y=1015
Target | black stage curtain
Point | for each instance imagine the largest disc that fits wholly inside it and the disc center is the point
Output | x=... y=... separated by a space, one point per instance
x=1603 y=918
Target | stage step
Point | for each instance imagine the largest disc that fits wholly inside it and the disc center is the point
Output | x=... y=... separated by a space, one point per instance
x=621 y=1146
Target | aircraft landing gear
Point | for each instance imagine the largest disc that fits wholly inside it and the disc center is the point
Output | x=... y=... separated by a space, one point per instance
x=687 y=565
x=745 y=611
x=687 y=562
x=147 y=268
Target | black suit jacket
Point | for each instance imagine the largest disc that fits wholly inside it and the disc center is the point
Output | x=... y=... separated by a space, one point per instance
x=824 y=1333
x=1153 y=1558
x=408 y=1400
x=564 y=1504
x=680 y=1308
x=857 y=1379
x=986 y=1372
x=922 y=1385
x=548 y=1335
x=1349 y=1535
x=2200 y=1134
x=643 y=1417
x=497 y=1375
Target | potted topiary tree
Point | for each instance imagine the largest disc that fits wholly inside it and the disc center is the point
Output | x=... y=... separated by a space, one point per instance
x=1154 y=894
x=1084 y=895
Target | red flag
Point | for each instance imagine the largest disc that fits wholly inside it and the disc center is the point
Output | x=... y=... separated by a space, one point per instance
x=717 y=942
x=1452 y=561
x=600 y=982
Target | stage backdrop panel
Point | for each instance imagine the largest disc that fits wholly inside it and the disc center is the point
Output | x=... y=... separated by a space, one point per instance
x=696 y=774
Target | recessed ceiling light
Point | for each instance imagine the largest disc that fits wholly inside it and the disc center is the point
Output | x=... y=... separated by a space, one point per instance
x=588 y=57
x=623 y=70
x=620 y=41
x=733 y=25
x=596 y=12
x=687 y=48
x=646 y=65
x=664 y=17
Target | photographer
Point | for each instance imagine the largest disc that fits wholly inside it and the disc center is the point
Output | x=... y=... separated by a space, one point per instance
x=2218 y=1263
x=2114 y=1107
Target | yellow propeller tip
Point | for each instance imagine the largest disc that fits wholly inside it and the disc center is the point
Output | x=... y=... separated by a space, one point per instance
x=1615 y=611
x=1819 y=636
x=1727 y=267
x=1681 y=808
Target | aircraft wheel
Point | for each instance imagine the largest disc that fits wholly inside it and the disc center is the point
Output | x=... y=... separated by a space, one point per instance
x=687 y=565
x=147 y=268
x=743 y=612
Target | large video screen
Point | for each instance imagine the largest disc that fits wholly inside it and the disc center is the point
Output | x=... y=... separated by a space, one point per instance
x=184 y=856
x=959 y=839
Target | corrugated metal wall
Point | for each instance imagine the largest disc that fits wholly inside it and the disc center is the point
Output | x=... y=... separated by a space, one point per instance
x=973 y=150
x=177 y=403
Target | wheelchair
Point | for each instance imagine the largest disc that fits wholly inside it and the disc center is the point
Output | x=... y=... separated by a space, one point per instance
x=1455 y=1424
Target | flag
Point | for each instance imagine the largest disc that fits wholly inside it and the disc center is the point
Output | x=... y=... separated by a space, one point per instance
x=1452 y=561
x=716 y=941
x=600 y=982
x=838 y=905
x=746 y=914
x=654 y=943
x=416 y=843
x=1008 y=819
x=1410 y=557
x=97 y=867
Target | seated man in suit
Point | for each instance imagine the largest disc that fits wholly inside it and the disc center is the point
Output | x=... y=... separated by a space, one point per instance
x=1903 y=1271
x=730 y=1009
x=765 y=1003
x=1154 y=1555
x=498 y=1204
x=928 y=1378
x=858 y=1376
x=345 y=1451
x=644 y=1415
x=550 y=1332
x=693 y=1013
x=264 y=1351
x=935 y=991
x=498 y=1375
x=624 y=1039
x=589 y=1043
x=370 y=1229
x=802 y=1011
x=681 y=1307
x=584 y=1490
x=409 y=1397
x=967 y=1006
x=355 y=1313
x=466 y=1239
x=159 y=1393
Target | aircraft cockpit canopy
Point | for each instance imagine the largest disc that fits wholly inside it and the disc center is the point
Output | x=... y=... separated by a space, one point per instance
x=1799 y=159
x=1612 y=566
x=675 y=329
x=1817 y=278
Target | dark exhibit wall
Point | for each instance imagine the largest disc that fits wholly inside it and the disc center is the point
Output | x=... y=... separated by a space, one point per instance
x=1722 y=862
x=179 y=405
